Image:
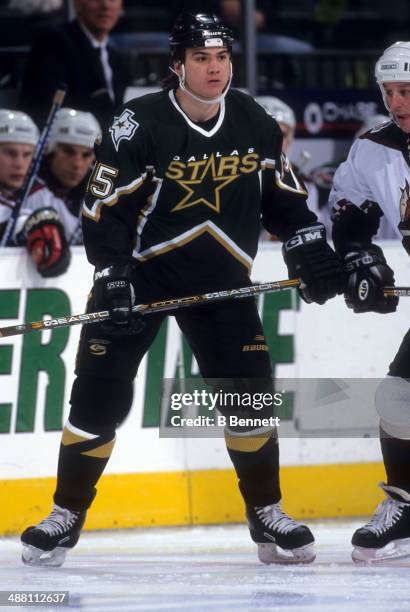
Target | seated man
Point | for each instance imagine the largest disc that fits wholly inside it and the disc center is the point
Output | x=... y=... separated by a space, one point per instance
x=79 y=54
x=18 y=138
x=50 y=220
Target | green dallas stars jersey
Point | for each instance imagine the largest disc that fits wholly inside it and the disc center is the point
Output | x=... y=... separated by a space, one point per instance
x=176 y=196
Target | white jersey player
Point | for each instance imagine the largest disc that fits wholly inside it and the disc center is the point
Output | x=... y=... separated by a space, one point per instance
x=50 y=219
x=375 y=180
x=18 y=138
x=376 y=170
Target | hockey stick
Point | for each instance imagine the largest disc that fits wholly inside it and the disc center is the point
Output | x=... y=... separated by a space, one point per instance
x=34 y=166
x=173 y=304
x=397 y=291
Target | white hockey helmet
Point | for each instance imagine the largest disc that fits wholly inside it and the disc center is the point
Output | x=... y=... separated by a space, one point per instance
x=393 y=66
x=18 y=127
x=73 y=127
x=278 y=109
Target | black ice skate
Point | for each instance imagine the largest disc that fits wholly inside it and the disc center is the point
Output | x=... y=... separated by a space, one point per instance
x=387 y=534
x=47 y=543
x=271 y=528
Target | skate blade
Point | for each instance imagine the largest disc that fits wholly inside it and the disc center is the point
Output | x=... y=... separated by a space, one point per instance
x=48 y=558
x=271 y=553
x=398 y=549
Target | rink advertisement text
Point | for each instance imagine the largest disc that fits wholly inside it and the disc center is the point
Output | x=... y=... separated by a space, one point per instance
x=37 y=369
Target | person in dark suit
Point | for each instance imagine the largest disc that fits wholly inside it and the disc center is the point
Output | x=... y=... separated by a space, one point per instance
x=78 y=54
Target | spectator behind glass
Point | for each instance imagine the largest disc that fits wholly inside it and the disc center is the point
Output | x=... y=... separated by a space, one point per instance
x=79 y=54
x=50 y=220
x=18 y=138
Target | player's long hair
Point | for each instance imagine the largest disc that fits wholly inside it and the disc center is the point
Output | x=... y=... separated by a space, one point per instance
x=171 y=81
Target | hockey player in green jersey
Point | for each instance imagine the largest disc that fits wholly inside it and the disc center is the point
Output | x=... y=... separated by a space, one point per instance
x=181 y=182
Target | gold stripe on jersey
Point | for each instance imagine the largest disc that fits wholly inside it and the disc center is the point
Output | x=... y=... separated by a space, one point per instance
x=247 y=443
x=69 y=438
x=179 y=241
x=95 y=211
x=286 y=169
x=73 y=435
x=101 y=452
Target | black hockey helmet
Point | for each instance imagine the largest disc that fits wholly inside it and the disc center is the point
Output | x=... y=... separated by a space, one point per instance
x=198 y=30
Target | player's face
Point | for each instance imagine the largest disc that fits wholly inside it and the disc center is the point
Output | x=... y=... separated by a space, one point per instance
x=207 y=71
x=99 y=16
x=15 y=160
x=70 y=164
x=287 y=133
x=398 y=100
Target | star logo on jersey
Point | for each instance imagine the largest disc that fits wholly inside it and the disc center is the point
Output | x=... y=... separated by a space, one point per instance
x=205 y=188
x=123 y=128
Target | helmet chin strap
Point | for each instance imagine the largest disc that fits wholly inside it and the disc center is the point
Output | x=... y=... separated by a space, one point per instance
x=182 y=77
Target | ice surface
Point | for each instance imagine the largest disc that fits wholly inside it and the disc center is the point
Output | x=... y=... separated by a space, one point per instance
x=208 y=569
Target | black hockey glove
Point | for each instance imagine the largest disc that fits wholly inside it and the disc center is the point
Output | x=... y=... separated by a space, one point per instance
x=43 y=234
x=309 y=257
x=113 y=291
x=368 y=273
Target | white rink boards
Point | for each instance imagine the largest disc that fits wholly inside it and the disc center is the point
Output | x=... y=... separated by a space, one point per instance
x=152 y=480
x=326 y=341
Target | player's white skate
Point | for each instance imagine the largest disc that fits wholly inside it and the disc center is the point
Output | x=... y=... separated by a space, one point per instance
x=47 y=543
x=387 y=534
x=280 y=539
